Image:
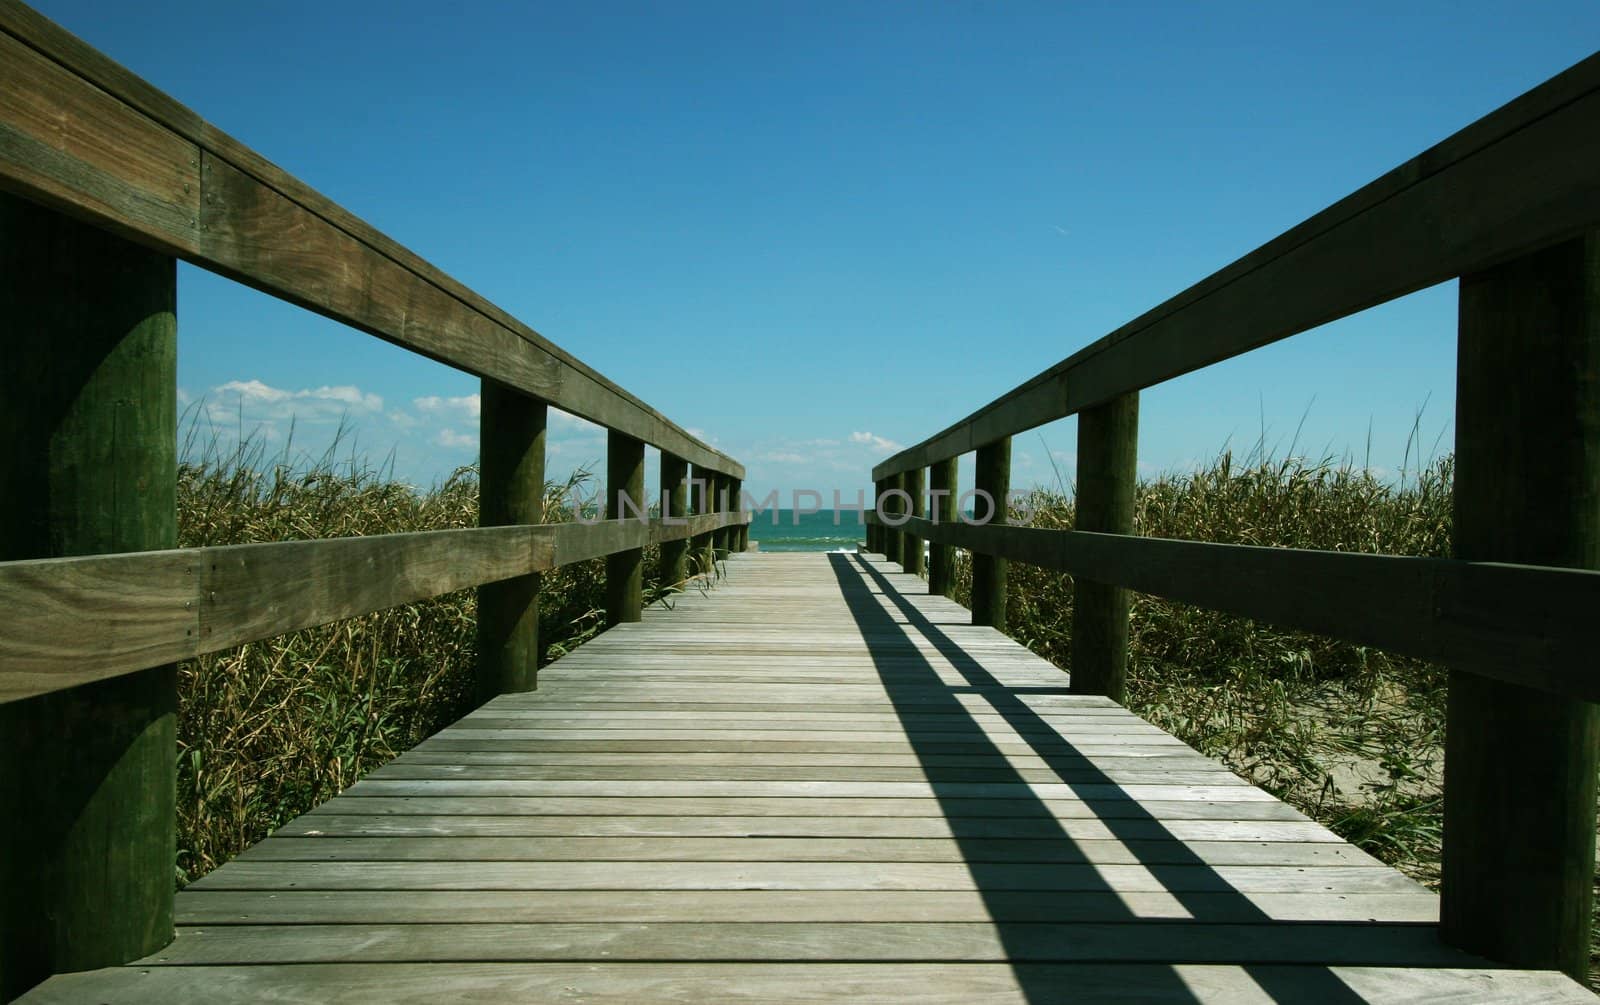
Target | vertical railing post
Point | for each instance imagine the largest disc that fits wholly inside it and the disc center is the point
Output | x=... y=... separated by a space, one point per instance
x=893 y=539
x=1108 y=475
x=942 y=509
x=674 y=506
x=911 y=546
x=624 y=501
x=1519 y=787
x=875 y=529
x=511 y=434
x=736 y=532
x=992 y=479
x=88 y=418
x=700 y=488
x=719 y=537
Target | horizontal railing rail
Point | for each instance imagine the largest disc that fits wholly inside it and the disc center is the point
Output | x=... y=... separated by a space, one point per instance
x=1529 y=625
x=1510 y=206
x=70 y=621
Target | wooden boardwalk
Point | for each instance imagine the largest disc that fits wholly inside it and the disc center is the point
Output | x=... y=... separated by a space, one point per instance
x=816 y=783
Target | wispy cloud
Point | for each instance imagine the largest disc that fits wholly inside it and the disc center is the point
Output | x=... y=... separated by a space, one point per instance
x=311 y=404
x=452 y=440
x=465 y=405
x=876 y=442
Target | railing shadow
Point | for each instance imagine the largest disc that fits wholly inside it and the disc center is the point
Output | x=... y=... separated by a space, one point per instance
x=1024 y=894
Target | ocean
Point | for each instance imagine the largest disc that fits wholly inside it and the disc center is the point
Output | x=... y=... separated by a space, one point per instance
x=795 y=531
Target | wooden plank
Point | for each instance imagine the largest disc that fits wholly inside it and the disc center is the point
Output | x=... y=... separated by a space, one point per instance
x=82 y=152
x=69 y=621
x=256 y=591
x=971 y=850
x=1523 y=624
x=1518 y=179
x=997 y=876
x=1020 y=942
x=832 y=790
x=418 y=799
x=1151 y=757
x=341 y=823
x=84 y=135
x=667 y=769
x=934 y=984
x=358 y=907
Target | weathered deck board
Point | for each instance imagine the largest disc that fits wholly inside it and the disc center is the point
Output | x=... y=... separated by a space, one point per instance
x=805 y=786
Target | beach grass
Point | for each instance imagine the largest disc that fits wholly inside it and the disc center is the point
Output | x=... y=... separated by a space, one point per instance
x=270 y=729
x=1350 y=735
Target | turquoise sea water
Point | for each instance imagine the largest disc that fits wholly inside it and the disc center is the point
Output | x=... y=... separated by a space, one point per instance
x=808 y=531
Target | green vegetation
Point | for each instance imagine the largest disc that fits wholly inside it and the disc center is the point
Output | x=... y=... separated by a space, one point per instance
x=1350 y=735
x=268 y=730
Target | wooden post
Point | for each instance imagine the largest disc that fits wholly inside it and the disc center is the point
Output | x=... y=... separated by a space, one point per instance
x=700 y=548
x=1108 y=476
x=88 y=419
x=719 y=504
x=942 y=509
x=674 y=506
x=624 y=501
x=875 y=530
x=736 y=532
x=911 y=545
x=511 y=430
x=893 y=539
x=1519 y=793
x=993 y=477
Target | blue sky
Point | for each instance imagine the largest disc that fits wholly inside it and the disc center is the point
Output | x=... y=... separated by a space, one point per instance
x=816 y=232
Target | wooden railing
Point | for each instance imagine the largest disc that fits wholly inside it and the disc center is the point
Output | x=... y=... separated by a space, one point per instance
x=106 y=181
x=1510 y=205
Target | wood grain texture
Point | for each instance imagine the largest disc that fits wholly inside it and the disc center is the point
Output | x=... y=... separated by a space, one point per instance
x=992 y=485
x=762 y=983
x=83 y=135
x=1518 y=179
x=1527 y=625
x=511 y=453
x=943 y=491
x=625 y=503
x=1519 y=813
x=815 y=777
x=1105 y=489
x=68 y=621
x=88 y=419
x=83 y=152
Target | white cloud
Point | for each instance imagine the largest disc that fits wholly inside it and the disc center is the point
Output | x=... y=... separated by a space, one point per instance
x=466 y=405
x=782 y=457
x=312 y=404
x=876 y=442
x=452 y=440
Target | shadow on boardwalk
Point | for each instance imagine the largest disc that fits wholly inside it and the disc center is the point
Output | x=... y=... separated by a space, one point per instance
x=1028 y=894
